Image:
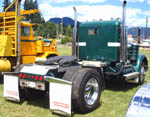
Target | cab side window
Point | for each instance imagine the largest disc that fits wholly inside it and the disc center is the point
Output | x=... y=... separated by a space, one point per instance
x=93 y=31
x=25 y=31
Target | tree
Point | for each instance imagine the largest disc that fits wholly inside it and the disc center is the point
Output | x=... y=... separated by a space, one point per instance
x=51 y=30
x=6 y=3
x=33 y=18
x=47 y=30
x=66 y=39
x=69 y=31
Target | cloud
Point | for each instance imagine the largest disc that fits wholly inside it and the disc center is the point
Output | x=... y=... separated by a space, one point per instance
x=148 y=1
x=134 y=0
x=94 y=12
x=147 y=13
x=83 y=1
x=48 y=11
x=134 y=22
x=104 y=12
x=132 y=12
x=86 y=12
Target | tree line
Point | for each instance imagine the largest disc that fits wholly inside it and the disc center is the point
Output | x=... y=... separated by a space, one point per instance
x=43 y=28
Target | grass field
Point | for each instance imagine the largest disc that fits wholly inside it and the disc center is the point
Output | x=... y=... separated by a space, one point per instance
x=114 y=100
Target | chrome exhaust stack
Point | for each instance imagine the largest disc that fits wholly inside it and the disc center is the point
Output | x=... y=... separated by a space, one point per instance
x=124 y=41
x=74 y=32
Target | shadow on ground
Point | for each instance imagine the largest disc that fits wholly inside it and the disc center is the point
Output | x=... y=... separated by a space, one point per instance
x=1 y=80
x=119 y=86
x=42 y=102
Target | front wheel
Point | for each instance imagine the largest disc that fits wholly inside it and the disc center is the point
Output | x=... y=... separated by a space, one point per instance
x=142 y=74
x=140 y=79
x=86 y=88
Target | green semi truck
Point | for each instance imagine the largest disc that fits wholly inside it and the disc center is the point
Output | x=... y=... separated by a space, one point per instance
x=101 y=52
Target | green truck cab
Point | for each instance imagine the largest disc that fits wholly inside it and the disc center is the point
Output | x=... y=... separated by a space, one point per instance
x=101 y=41
x=97 y=36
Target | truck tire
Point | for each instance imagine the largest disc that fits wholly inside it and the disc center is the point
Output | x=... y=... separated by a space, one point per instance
x=142 y=75
x=86 y=88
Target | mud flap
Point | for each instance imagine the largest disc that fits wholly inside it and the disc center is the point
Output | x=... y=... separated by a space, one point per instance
x=11 y=86
x=60 y=96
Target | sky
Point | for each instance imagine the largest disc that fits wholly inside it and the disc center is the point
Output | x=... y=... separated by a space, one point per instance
x=94 y=10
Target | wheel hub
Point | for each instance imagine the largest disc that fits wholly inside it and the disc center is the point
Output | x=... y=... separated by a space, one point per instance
x=91 y=91
x=142 y=73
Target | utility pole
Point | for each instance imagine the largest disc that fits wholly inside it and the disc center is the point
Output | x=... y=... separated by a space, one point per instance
x=139 y=35
x=146 y=34
x=61 y=26
x=57 y=31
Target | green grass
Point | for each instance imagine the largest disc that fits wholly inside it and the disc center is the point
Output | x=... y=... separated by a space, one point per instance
x=64 y=51
x=114 y=99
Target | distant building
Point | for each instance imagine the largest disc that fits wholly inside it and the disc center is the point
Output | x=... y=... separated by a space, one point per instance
x=130 y=38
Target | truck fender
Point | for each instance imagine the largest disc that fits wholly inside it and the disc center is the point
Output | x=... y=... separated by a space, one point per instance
x=19 y=67
x=101 y=72
x=141 y=59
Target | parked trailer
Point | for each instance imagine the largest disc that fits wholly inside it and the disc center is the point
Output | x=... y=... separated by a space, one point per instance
x=76 y=82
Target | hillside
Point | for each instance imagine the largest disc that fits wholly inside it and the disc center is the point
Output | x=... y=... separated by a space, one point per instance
x=133 y=31
x=67 y=20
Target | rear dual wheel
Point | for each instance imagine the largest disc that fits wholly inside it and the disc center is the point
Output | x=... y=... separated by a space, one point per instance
x=86 y=88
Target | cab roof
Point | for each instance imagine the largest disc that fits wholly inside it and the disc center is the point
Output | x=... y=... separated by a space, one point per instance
x=26 y=23
x=100 y=23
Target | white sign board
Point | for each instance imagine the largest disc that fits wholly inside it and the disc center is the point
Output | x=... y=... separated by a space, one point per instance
x=81 y=44
x=11 y=87
x=113 y=44
x=60 y=98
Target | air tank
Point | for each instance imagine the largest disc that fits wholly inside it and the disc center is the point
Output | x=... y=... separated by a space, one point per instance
x=5 y=65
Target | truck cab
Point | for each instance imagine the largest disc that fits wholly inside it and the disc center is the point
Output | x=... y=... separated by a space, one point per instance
x=103 y=41
x=34 y=47
x=99 y=41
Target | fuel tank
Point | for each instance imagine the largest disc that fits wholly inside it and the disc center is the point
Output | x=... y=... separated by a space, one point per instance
x=5 y=65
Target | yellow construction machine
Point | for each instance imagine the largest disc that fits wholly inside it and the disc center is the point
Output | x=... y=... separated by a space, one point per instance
x=17 y=42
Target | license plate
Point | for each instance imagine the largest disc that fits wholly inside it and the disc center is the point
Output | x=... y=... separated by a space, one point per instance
x=34 y=85
x=31 y=84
